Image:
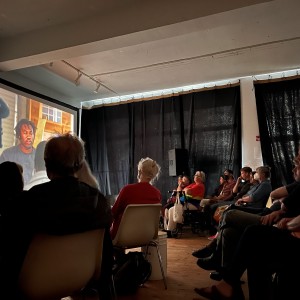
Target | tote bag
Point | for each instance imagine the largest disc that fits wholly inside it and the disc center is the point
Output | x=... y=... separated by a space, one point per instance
x=178 y=211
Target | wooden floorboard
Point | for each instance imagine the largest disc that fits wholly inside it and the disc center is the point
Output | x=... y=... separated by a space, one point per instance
x=183 y=274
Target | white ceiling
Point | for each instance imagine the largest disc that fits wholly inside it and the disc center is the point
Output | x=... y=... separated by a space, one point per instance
x=134 y=46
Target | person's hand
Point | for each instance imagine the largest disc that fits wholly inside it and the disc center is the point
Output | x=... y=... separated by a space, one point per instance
x=271 y=218
x=239 y=201
x=282 y=224
x=294 y=224
x=239 y=179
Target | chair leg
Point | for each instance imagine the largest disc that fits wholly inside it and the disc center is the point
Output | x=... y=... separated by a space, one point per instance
x=160 y=262
x=113 y=288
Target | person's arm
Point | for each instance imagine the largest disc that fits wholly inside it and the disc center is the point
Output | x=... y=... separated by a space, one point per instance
x=279 y=193
x=260 y=194
x=294 y=224
x=235 y=189
x=273 y=217
x=120 y=203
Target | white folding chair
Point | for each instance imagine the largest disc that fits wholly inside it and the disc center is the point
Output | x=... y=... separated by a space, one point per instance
x=139 y=228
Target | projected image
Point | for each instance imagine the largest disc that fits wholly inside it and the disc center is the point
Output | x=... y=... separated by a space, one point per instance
x=24 y=124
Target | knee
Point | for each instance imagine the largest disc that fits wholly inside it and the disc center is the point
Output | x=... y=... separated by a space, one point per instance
x=166 y=213
x=170 y=213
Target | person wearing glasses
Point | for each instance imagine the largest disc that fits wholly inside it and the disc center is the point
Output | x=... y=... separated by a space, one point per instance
x=193 y=194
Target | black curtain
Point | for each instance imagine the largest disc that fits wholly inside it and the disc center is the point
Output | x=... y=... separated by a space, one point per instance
x=207 y=124
x=278 y=110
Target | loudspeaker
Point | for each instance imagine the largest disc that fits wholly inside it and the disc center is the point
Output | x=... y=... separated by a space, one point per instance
x=178 y=162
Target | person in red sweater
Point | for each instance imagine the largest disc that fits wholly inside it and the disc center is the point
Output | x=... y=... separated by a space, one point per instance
x=142 y=192
x=194 y=193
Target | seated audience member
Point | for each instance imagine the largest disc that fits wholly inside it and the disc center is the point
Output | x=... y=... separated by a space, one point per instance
x=229 y=175
x=64 y=205
x=225 y=193
x=262 y=251
x=258 y=194
x=193 y=194
x=11 y=185
x=243 y=182
x=39 y=173
x=183 y=181
x=218 y=254
x=241 y=187
x=142 y=192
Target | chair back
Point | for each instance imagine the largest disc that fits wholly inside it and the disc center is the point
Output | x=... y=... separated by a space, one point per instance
x=59 y=266
x=139 y=225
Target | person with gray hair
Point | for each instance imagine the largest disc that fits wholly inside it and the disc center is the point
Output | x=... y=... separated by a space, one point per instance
x=64 y=205
x=142 y=192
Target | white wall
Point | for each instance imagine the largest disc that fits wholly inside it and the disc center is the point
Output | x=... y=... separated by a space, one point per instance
x=251 y=149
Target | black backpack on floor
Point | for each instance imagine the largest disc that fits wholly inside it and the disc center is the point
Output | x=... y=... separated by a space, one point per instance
x=131 y=271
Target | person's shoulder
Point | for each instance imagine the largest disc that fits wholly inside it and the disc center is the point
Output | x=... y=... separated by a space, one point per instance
x=90 y=189
x=267 y=182
x=131 y=186
x=10 y=150
x=41 y=187
x=232 y=183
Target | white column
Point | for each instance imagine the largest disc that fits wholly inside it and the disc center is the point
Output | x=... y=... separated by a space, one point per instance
x=251 y=149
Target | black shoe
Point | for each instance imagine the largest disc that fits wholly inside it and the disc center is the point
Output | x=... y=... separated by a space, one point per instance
x=215 y=275
x=169 y=234
x=203 y=252
x=208 y=263
x=207 y=250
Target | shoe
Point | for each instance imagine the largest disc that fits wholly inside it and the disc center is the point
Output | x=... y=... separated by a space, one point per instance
x=171 y=234
x=208 y=263
x=213 y=237
x=203 y=252
x=214 y=294
x=206 y=250
x=215 y=275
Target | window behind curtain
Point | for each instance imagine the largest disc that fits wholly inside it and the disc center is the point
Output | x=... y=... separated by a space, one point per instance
x=278 y=109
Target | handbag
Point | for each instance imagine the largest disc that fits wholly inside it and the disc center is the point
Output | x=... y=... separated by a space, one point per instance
x=219 y=212
x=178 y=211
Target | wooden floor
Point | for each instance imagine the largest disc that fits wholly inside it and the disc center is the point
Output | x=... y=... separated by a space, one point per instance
x=183 y=274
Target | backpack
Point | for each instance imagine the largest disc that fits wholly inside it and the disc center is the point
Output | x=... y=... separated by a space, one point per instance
x=131 y=271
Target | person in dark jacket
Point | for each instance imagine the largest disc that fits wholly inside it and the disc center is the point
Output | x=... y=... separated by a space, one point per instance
x=64 y=205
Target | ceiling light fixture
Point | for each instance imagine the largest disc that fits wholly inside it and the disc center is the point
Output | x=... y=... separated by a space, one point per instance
x=80 y=73
x=97 y=88
x=77 y=82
